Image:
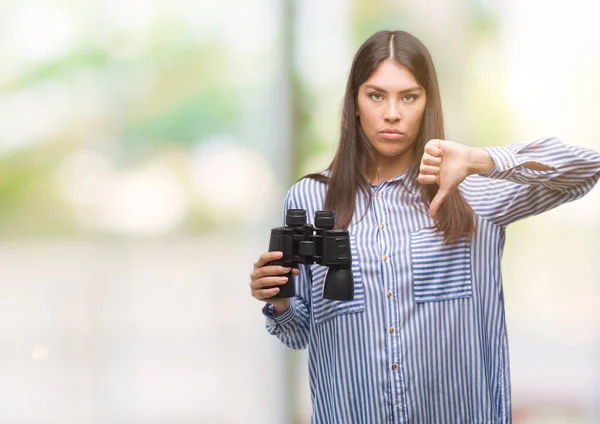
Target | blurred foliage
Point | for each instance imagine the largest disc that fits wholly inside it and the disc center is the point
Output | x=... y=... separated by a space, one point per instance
x=369 y=17
x=308 y=143
x=62 y=67
x=163 y=90
x=190 y=119
x=492 y=124
x=30 y=204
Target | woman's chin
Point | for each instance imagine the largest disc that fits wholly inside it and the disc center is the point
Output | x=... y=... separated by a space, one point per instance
x=393 y=153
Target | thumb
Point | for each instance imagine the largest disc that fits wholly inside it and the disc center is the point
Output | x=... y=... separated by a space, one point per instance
x=437 y=201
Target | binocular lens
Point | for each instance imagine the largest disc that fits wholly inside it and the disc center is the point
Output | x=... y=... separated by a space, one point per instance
x=325 y=219
x=295 y=217
x=339 y=285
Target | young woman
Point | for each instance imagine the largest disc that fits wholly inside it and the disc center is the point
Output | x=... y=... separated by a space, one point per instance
x=424 y=339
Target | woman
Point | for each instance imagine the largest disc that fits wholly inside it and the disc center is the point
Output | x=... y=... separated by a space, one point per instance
x=424 y=339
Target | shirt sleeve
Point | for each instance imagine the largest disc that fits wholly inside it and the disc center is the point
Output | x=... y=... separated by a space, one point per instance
x=292 y=327
x=510 y=191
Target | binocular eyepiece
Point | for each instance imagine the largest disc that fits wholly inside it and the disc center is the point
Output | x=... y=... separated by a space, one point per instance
x=302 y=243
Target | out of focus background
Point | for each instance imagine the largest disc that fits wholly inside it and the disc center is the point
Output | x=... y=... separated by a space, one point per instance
x=145 y=150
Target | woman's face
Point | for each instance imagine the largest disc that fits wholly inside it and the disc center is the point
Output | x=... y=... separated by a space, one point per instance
x=390 y=108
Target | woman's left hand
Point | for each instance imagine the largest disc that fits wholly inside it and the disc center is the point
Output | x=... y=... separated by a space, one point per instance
x=448 y=163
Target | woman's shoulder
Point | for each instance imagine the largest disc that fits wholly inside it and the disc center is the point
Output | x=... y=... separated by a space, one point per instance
x=311 y=183
x=309 y=190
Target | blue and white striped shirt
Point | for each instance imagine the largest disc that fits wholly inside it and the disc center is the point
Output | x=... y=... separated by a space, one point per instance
x=424 y=340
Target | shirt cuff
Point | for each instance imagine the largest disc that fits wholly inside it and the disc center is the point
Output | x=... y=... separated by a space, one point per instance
x=273 y=321
x=505 y=160
x=508 y=161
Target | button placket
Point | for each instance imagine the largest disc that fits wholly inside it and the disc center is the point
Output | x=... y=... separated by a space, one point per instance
x=386 y=250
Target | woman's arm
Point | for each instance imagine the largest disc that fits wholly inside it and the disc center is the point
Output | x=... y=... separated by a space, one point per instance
x=506 y=183
x=291 y=325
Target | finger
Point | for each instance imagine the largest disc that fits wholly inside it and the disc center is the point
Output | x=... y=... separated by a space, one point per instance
x=261 y=283
x=427 y=179
x=296 y=271
x=268 y=282
x=267 y=257
x=429 y=170
x=267 y=293
x=437 y=201
x=269 y=270
x=431 y=160
x=433 y=147
x=263 y=294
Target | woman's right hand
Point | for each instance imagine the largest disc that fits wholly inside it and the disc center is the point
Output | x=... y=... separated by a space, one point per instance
x=270 y=276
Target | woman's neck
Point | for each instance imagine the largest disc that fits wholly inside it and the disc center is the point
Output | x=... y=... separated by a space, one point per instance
x=387 y=169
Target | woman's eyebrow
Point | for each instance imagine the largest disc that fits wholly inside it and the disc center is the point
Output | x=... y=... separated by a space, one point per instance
x=374 y=87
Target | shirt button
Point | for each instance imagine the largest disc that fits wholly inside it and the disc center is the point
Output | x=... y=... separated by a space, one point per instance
x=394 y=367
x=389 y=295
x=377 y=194
x=507 y=164
x=382 y=226
x=385 y=258
x=392 y=330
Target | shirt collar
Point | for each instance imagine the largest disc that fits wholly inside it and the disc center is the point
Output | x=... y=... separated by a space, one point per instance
x=409 y=179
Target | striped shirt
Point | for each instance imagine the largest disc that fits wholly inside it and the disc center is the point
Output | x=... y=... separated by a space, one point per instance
x=424 y=340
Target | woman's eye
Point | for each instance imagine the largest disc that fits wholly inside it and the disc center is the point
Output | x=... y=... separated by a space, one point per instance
x=410 y=98
x=376 y=96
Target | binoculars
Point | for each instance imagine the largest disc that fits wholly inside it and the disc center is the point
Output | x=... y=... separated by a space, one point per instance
x=303 y=243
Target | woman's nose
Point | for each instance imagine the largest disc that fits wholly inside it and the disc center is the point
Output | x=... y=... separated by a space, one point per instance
x=392 y=114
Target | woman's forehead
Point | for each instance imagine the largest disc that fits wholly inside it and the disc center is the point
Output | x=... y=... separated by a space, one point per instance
x=391 y=76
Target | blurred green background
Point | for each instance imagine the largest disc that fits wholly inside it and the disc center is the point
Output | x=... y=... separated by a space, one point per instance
x=145 y=149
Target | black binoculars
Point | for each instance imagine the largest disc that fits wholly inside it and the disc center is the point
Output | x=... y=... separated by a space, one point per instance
x=303 y=243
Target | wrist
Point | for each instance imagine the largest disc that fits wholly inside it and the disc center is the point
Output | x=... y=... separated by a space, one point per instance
x=480 y=162
x=280 y=306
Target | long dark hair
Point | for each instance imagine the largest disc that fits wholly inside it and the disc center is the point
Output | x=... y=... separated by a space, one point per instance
x=355 y=157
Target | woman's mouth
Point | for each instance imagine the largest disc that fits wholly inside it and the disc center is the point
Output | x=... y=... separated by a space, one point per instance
x=391 y=134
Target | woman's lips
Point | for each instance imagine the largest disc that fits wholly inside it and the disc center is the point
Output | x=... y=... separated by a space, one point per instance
x=391 y=134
